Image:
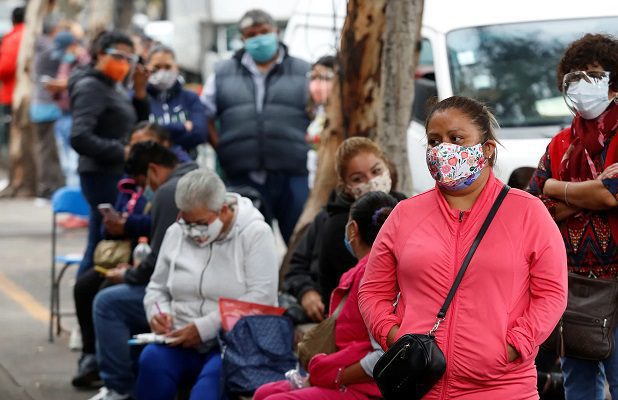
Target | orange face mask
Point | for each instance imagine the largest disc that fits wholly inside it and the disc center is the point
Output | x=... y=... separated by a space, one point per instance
x=116 y=69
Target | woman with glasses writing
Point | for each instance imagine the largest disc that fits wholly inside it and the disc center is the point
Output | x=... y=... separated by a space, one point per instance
x=577 y=179
x=103 y=116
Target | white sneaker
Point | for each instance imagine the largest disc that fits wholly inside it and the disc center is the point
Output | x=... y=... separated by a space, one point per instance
x=109 y=394
x=75 y=340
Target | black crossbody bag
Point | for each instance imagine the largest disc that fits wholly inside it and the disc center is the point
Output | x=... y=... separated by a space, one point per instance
x=414 y=363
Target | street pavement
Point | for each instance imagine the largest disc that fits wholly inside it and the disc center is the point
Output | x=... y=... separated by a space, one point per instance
x=31 y=368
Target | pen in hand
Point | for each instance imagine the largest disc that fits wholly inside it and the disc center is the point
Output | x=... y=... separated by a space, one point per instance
x=161 y=322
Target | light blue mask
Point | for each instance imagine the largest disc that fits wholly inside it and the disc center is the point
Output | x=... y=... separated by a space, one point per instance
x=148 y=193
x=347 y=243
x=262 y=48
x=69 y=58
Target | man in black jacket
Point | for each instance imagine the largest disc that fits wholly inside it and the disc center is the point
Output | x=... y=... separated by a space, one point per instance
x=118 y=310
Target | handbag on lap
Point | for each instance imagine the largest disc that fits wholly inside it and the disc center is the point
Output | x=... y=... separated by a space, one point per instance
x=320 y=339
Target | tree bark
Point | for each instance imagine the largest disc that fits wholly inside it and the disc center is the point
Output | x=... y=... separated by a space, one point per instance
x=352 y=108
x=22 y=168
x=100 y=16
x=372 y=95
x=400 y=54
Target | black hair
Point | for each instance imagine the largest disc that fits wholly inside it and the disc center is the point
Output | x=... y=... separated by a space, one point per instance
x=478 y=113
x=160 y=132
x=520 y=177
x=144 y=153
x=106 y=40
x=590 y=49
x=370 y=212
x=18 y=15
x=160 y=48
x=326 y=61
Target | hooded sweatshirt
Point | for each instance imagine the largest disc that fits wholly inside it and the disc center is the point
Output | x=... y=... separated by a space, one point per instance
x=189 y=280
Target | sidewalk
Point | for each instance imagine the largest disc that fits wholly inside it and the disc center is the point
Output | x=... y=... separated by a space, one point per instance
x=31 y=368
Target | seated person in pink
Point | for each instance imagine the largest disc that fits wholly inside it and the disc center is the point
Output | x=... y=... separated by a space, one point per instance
x=347 y=373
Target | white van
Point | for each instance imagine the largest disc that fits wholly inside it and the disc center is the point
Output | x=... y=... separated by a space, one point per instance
x=502 y=53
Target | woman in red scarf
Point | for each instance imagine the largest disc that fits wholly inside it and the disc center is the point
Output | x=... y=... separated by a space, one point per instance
x=577 y=179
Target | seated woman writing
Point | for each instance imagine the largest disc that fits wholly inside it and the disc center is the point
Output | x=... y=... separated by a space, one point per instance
x=219 y=247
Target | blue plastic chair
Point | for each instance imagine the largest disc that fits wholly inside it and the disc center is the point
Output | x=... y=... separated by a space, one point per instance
x=70 y=200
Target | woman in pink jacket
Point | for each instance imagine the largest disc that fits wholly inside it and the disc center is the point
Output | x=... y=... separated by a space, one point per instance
x=347 y=373
x=515 y=288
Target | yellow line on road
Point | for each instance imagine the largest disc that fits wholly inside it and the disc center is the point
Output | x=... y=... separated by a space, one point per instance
x=24 y=299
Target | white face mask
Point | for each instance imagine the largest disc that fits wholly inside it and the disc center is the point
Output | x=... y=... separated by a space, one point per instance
x=380 y=183
x=202 y=235
x=589 y=99
x=163 y=79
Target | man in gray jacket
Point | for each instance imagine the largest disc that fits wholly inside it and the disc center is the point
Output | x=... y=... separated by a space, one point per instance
x=259 y=97
x=118 y=310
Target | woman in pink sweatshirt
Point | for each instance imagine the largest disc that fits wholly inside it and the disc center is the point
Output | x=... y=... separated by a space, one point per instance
x=515 y=288
x=347 y=373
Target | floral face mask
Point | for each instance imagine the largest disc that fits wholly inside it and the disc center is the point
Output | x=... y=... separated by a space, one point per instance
x=380 y=183
x=455 y=167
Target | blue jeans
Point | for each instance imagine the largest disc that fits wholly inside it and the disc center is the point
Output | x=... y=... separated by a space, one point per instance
x=163 y=368
x=68 y=156
x=585 y=380
x=97 y=188
x=118 y=313
x=284 y=197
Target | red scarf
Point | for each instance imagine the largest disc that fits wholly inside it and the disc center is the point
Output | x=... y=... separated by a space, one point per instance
x=573 y=151
x=588 y=139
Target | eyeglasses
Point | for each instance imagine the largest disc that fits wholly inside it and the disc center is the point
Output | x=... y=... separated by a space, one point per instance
x=594 y=77
x=322 y=77
x=121 y=55
x=191 y=225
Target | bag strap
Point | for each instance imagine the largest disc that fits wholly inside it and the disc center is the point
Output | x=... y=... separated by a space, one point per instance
x=337 y=311
x=466 y=261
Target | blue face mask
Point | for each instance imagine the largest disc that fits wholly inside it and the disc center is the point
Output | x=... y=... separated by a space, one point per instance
x=69 y=58
x=148 y=193
x=346 y=241
x=262 y=48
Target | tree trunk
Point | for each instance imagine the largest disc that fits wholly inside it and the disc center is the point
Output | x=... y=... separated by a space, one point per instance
x=352 y=108
x=400 y=54
x=22 y=168
x=372 y=94
x=123 y=14
x=99 y=16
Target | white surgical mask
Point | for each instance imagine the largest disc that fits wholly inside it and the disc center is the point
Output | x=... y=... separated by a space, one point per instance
x=202 y=235
x=163 y=79
x=380 y=183
x=586 y=95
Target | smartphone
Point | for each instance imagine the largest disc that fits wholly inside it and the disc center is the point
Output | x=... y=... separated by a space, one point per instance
x=107 y=210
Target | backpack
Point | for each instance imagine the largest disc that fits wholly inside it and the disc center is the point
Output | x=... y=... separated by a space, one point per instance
x=256 y=351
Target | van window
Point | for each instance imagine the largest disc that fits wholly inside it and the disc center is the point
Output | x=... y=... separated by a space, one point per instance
x=512 y=67
x=424 y=82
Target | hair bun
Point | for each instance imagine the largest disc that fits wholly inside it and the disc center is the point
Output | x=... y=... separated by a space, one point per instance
x=380 y=216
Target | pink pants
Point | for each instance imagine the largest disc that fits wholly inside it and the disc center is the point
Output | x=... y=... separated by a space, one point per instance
x=281 y=391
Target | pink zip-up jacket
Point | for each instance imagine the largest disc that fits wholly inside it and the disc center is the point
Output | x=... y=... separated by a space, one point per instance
x=514 y=290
